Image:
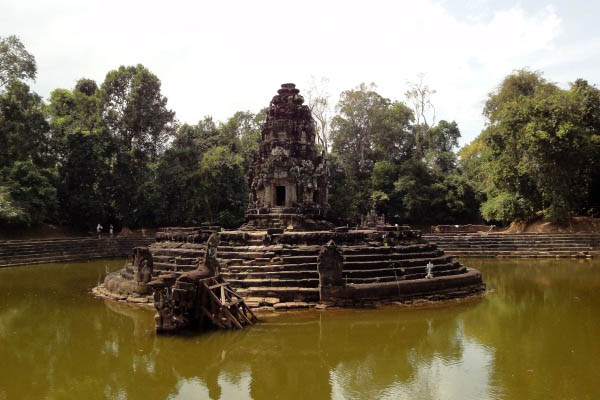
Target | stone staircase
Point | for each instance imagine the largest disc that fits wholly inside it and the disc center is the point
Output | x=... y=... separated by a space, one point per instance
x=41 y=251
x=287 y=276
x=518 y=245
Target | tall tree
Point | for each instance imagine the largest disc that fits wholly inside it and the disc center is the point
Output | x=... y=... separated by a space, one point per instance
x=23 y=126
x=16 y=63
x=243 y=132
x=541 y=142
x=135 y=114
x=318 y=101
x=135 y=111
x=224 y=187
x=352 y=129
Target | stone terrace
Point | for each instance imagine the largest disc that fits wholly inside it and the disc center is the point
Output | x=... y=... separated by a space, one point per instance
x=41 y=251
x=283 y=275
x=518 y=245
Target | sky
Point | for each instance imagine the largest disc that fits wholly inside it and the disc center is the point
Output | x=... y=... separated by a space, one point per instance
x=218 y=57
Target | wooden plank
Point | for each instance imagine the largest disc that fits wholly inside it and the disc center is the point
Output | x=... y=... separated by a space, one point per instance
x=213 y=319
x=245 y=317
x=231 y=302
x=245 y=306
x=232 y=318
x=218 y=285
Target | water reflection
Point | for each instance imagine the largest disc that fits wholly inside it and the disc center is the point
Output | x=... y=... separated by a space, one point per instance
x=533 y=336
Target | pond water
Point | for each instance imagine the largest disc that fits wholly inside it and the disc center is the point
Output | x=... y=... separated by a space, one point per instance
x=535 y=335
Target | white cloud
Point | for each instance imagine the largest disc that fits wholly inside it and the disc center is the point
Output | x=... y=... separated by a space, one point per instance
x=215 y=58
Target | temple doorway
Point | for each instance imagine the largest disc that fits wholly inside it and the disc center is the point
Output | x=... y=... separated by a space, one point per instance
x=279 y=195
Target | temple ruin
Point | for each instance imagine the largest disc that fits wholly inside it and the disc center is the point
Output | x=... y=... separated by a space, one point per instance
x=288 y=255
x=288 y=179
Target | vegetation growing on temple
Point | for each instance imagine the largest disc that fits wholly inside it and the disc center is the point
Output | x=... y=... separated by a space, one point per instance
x=114 y=152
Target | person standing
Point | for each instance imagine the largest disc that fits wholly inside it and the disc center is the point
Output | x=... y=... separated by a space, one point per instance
x=99 y=230
x=111 y=230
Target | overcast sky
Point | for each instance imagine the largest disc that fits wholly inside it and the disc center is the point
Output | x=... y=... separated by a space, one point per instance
x=217 y=57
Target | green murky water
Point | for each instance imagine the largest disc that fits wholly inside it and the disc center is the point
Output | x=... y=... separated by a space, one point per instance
x=535 y=335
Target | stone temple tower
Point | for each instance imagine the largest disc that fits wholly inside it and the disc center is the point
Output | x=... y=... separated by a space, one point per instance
x=288 y=178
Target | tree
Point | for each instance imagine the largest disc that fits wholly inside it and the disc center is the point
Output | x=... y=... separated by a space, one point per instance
x=10 y=212
x=135 y=115
x=318 y=102
x=73 y=112
x=243 y=133
x=542 y=141
x=84 y=198
x=352 y=136
x=32 y=190
x=393 y=138
x=352 y=129
x=23 y=126
x=84 y=150
x=192 y=141
x=16 y=63
x=224 y=188
x=135 y=112
x=438 y=146
x=419 y=96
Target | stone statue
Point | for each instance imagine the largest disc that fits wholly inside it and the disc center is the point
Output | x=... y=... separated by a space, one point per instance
x=142 y=264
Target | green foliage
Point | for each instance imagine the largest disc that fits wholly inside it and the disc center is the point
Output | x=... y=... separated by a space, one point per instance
x=404 y=170
x=16 y=63
x=135 y=112
x=32 y=190
x=243 y=133
x=439 y=143
x=224 y=188
x=23 y=126
x=343 y=199
x=10 y=213
x=352 y=130
x=538 y=152
x=115 y=154
x=82 y=194
x=393 y=138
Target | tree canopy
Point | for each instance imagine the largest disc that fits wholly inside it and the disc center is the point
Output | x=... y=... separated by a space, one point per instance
x=113 y=152
x=539 y=150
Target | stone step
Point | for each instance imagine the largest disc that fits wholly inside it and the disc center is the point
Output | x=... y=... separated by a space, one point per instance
x=391 y=256
x=523 y=234
x=363 y=250
x=246 y=255
x=271 y=275
x=285 y=294
x=274 y=283
x=51 y=243
x=513 y=246
x=397 y=272
x=273 y=267
x=515 y=243
x=299 y=259
x=532 y=242
x=174 y=267
x=47 y=250
x=55 y=259
x=523 y=254
x=175 y=260
x=177 y=252
x=396 y=264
